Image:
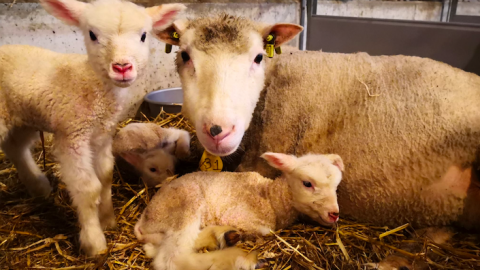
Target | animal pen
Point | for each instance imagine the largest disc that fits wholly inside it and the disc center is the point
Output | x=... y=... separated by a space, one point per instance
x=43 y=233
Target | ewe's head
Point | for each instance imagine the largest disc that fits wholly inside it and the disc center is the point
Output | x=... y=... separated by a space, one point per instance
x=221 y=66
x=313 y=180
x=116 y=33
x=154 y=166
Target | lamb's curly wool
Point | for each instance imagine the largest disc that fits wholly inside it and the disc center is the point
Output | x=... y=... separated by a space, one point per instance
x=79 y=99
x=407 y=128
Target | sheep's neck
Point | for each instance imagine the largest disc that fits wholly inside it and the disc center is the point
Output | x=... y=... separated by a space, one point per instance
x=280 y=196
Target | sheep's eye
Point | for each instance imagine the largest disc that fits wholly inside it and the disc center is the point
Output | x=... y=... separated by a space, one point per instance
x=307 y=184
x=153 y=169
x=92 y=36
x=144 y=36
x=258 y=59
x=185 y=57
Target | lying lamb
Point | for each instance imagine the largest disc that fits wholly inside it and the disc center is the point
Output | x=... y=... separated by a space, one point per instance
x=151 y=149
x=172 y=221
x=79 y=99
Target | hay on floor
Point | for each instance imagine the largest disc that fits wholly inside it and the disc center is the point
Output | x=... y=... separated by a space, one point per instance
x=42 y=234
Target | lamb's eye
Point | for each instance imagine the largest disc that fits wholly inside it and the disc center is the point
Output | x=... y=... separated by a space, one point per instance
x=92 y=36
x=185 y=57
x=307 y=184
x=144 y=36
x=153 y=169
x=258 y=59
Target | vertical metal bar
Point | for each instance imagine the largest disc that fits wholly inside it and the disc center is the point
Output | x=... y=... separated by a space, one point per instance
x=445 y=10
x=303 y=22
x=453 y=9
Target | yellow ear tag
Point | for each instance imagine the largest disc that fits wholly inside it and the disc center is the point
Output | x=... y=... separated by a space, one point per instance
x=278 y=50
x=210 y=163
x=168 y=47
x=270 y=47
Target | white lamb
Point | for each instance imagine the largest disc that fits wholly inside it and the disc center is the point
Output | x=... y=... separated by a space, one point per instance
x=78 y=98
x=151 y=149
x=173 y=220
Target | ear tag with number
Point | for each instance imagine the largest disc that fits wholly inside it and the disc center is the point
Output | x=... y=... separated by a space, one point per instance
x=168 y=47
x=210 y=163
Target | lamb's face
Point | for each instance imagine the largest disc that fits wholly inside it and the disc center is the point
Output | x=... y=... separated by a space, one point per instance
x=314 y=185
x=313 y=180
x=157 y=166
x=154 y=166
x=115 y=32
x=116 y=37
x=221 y=63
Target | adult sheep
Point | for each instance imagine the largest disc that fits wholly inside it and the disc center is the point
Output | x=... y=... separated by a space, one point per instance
x=407 y=127
x=79 y=99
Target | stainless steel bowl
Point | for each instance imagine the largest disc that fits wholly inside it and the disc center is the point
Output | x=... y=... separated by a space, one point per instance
x=171 y=99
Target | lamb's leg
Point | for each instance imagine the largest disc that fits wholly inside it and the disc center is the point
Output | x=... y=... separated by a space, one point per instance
x=231 y=258
x=75 y=158
x=103 y=164
x=217 y=237
x=177 y=244
x=17 y=148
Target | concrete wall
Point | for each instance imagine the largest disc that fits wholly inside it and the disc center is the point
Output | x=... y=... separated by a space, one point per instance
x=401 y=10
x=411 y=10
x=28 y=23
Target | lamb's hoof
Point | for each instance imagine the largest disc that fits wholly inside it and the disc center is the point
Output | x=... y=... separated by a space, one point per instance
x=261 y=264
x=231 y=238
x=93 y=241
x=39 y=186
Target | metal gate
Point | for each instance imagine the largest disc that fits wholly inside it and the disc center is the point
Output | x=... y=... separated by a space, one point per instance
x=455 y=42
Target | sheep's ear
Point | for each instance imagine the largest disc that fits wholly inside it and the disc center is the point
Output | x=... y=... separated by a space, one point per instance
x=337 y=161
x=167 y=36
x=69 y=11
x=133 y=158
x=284 y=163
x=164 y=15
x=284 y=32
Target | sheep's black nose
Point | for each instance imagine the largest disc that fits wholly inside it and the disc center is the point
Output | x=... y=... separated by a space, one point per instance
x=215 y=130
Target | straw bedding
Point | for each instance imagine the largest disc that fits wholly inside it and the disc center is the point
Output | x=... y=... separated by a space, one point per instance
x=42 y=234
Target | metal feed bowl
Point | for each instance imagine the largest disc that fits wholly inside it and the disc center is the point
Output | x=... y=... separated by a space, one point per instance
x=171 y=99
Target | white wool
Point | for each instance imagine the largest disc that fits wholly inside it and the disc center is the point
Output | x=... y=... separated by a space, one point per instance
x=79 y=99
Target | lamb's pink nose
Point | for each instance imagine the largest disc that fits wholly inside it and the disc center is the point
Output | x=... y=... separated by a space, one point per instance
x=122 y=68
x=333 y=215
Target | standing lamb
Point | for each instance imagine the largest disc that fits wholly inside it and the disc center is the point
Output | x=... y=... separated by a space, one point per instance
x=151 y=149
x=407 y=127
x=247 y=201
x=78 y=98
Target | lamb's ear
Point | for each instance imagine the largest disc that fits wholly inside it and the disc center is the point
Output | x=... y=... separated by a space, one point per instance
x=167 y=36
x=337 y=161
x=285 y=163
x=164 y=15
x=284 y=32
x=69 y=11
x=133 y=158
